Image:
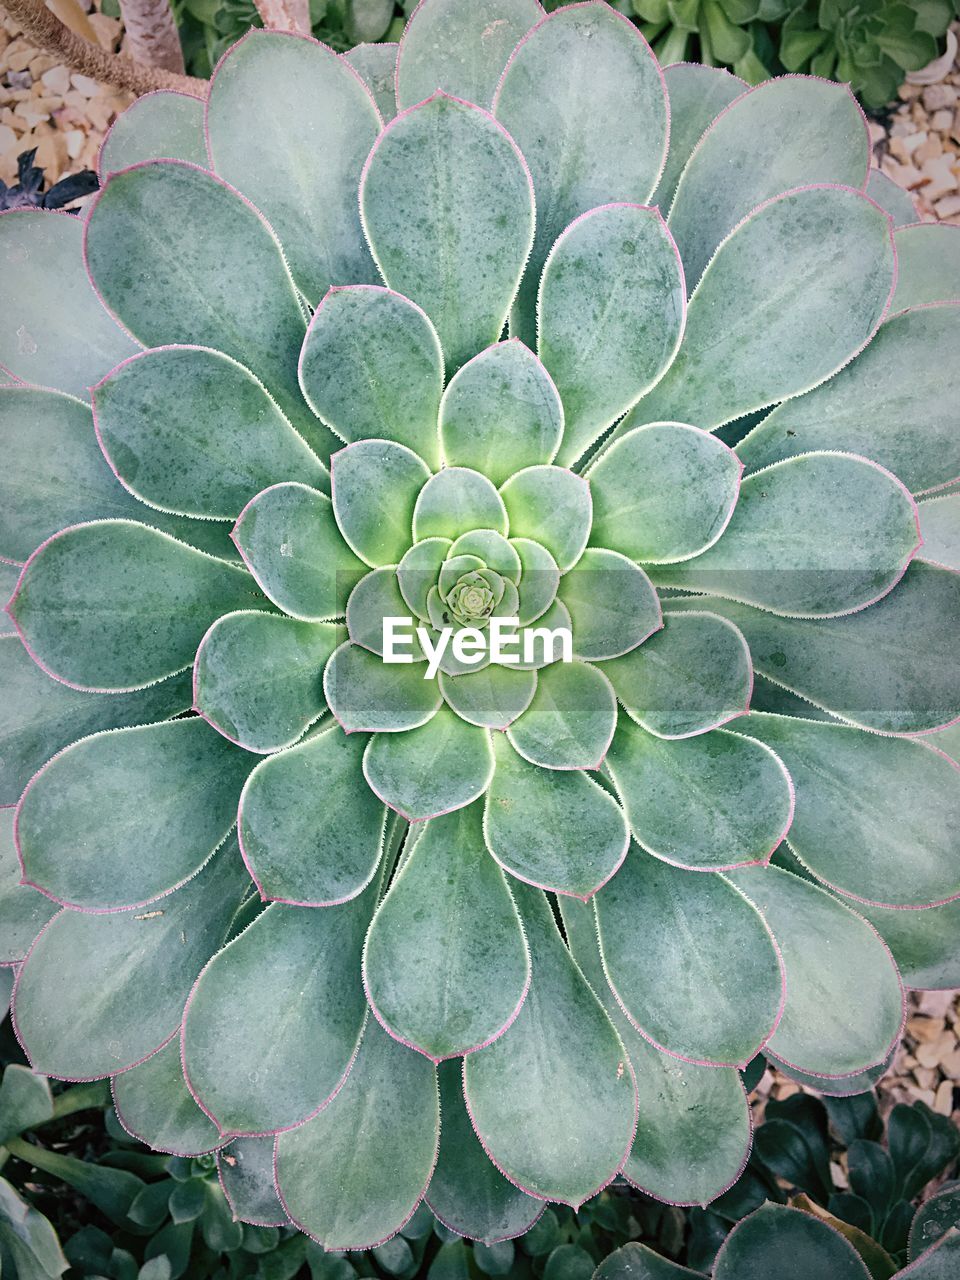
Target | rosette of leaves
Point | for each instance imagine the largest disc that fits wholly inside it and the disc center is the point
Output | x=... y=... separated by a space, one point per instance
x=277 y=917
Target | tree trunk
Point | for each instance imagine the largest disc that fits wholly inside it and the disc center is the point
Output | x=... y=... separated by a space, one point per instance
x=152 y=34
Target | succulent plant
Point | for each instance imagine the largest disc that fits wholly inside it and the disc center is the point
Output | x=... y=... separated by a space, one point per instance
x=305 y=901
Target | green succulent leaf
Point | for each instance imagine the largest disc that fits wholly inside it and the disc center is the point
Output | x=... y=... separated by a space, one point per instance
x=873 y=813
x=555 y=829
x=170 y=790
x=308 y=192
x=940 y=527
x=814 y=536
x=353 y=1175
x=585 y=53
x=928 y=265
x=289 y=540
x=23 y=911
x=129 y=975
x=697 y=95
x=375 y=598
x=701 y=938
x=456 y=501
x=244 y=1053
x=839 y=1019
x=894 y=403
x=691 y=481
x=57 y=333
x=364 y=694
x=467 y=1193
x=757 y=324
x=923 y=943
x=553 y=1100
x=439 y=766
x=704 y=803
x=552 y=506
x=371 y=367
x=453 y=982
x=501 y=413
x=492 y=698
x=154 y=1105
x=418 y=571
x=375 y=489
x=26 y=1101
x=229 y=437
x=892 y=198
x=570 y=722
x=675 y=1157
x=436 y=236
x=540 y=576
x=888 y=667
x=246 y=1175
x=165 y=125
x=938 y=1262
x=493 y=549
x=461 y=49
x=788 y=1243
x=692 y=676
x=113 y=605
x=310 y=829
x=634 y=1261
x=612 y=604
x=789 y=132
x=153 y=244
x=611 y=309
x=258 y=678
x=41 y=716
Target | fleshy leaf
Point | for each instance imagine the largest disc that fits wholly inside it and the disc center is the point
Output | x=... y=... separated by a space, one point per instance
x=501 y=413
x=675 y=1156
x=452 y=980
x=23 y=911
x=491 y=698
x=540 y=576
x=895 y=404
x=154 y=241
x=553 y=1100
x=418 y=571
x=371 y=367
x=552 y=506
x=704 y=803
x=692 y=676
x=585 y=53
x=940 y=526
x=308 y=191
x=556 y=829
x=791 y=295
x=663 y=492
x=875 y=815
x=814 y=536
x=928 y=265
x=435 y=234
x=570 y=722
x=167 y=790
x=467 y=1193
x=612 y=604
x=697 y=95
x=375 y=485
x=442 y=765
x=690 y=960
x=455 y=501
x=353 y=1175
x=789 y=1244
x=461 y=49
x=129 y=974
x=57 y=333
x=245 y=1056
x=888 y=667
x=258 y=678
x=839 y=1018
x=246 y=1175
x=310 y=828
x=154 y=1104
x=891 y=197
x=493 y=549
x=611 y=308
x=923 y=943
x=788 y=132
x=375 y=598
x=290 y=542
x=114 y=605
x=365 y=694
x=41 y=716
x=162 y=125
x=210 y=413
x=376 y=64
x=634 y=1261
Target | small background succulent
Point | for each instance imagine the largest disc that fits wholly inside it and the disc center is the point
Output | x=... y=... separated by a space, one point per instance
x=315 y=901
